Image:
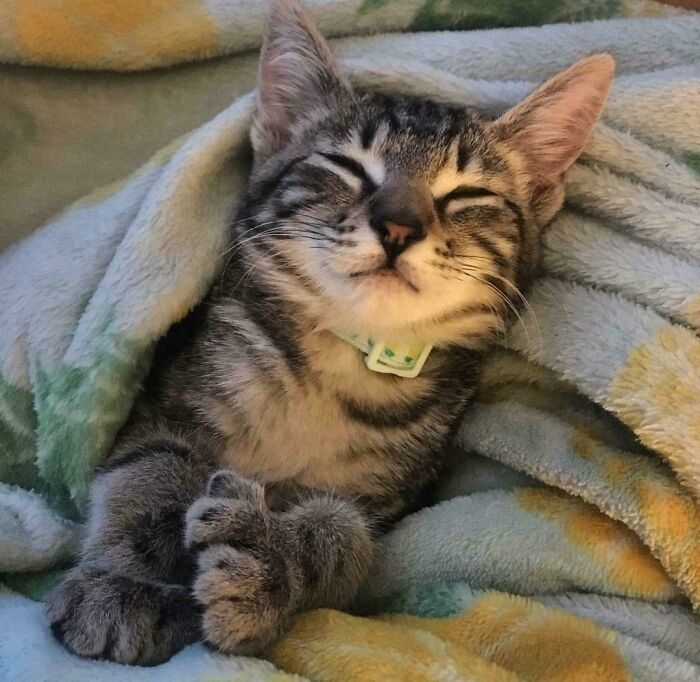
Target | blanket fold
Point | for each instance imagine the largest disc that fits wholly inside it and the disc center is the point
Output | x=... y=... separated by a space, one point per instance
x=565 y=544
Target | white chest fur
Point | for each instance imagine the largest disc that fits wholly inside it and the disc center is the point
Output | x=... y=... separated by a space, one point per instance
x=296 y=428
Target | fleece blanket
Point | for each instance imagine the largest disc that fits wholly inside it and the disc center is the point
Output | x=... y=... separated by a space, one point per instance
x=566 y=541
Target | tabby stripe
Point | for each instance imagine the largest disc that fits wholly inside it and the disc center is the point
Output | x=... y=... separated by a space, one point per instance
x=354 y=167
x=519 y=219
x=287 y=210
x=462 y=192
x=265 y=188
x=508 y=236
x=368 y=132
x=487 y=245
x=388 y=416
x=491 y=161
x=452 y=131
x=283 y=265
x=262 y=311
x=462 y=155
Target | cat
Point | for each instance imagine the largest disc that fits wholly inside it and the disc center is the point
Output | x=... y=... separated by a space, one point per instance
x=271 y=444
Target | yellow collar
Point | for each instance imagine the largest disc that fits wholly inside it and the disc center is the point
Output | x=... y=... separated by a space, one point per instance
x=403 y=360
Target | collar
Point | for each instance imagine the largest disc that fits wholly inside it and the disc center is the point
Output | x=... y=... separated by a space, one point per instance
x=401 y=359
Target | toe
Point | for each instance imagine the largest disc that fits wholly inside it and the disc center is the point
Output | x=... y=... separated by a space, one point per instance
x=227 y=483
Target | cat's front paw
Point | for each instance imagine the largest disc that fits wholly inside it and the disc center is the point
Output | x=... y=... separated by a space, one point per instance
x=247 y=598
x=246 y=584
x=97 y=614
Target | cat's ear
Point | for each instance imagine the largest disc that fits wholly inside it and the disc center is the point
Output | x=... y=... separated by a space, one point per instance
x=551 y=126
x=297 y=78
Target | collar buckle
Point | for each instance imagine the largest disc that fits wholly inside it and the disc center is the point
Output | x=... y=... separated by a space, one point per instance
x=403 y=360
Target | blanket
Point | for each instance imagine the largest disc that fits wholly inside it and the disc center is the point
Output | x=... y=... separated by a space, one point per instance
x=565 y=544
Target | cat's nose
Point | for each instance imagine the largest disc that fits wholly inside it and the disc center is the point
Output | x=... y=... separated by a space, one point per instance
x=400 y=213
x=396 y=237
x=401 y=234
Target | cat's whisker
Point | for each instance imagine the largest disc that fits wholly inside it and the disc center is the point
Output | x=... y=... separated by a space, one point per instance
x=469 y=272
x=238 y=242
x=527 y=306
x=277 y=230
x=267 y=250
x=509 y=283
x=511 y=306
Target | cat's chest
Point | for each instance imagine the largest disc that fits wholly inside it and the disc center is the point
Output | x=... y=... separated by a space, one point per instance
x=300 y=428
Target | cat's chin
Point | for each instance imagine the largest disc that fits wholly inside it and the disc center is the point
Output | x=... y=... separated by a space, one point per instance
x=400 y=304
x=387 y=309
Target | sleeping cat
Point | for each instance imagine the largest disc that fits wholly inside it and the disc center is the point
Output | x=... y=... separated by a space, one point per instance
x=281 y=428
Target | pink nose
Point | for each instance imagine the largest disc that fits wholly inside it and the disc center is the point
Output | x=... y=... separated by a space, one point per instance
x=397 y=233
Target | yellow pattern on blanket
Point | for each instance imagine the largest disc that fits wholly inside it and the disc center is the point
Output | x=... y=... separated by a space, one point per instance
x=499 y=638
x=120 y=34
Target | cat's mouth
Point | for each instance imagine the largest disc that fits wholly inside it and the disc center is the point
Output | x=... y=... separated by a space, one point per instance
x=388 y=273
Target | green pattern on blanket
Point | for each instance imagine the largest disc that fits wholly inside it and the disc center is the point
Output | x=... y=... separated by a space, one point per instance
x=52 y=440
x=693 y=160
x=33 y=585
x=471 y=14
x=475 y=14
x=17 y=437
x=80 y=410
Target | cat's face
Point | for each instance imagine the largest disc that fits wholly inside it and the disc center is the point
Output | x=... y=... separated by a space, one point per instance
x=396 y=216
x=400 y=211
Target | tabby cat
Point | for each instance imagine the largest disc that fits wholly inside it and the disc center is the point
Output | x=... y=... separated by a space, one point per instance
x=264 y=454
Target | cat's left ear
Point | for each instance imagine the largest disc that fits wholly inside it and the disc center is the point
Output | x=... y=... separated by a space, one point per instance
x=550 y=127
x=297 y=78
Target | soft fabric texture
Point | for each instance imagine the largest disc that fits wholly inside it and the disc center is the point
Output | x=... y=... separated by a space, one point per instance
x=567 y=544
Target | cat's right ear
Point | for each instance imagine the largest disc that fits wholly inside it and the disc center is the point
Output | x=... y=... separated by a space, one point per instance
x=297 y=78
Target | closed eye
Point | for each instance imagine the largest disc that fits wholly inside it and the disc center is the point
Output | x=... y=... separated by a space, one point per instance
x=352 y=166
x=464 y=196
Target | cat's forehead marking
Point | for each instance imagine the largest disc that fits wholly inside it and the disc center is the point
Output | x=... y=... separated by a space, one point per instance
x=449 y=178
x=348 y=177
x=371 y=161
x=372 y=136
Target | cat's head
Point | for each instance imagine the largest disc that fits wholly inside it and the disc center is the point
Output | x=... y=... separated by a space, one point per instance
x=392 y=215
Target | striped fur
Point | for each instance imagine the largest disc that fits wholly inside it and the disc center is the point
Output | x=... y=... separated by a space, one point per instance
x=314 y=452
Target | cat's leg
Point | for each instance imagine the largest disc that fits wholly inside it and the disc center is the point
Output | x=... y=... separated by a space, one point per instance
x=258 y=567
x=128 y=599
